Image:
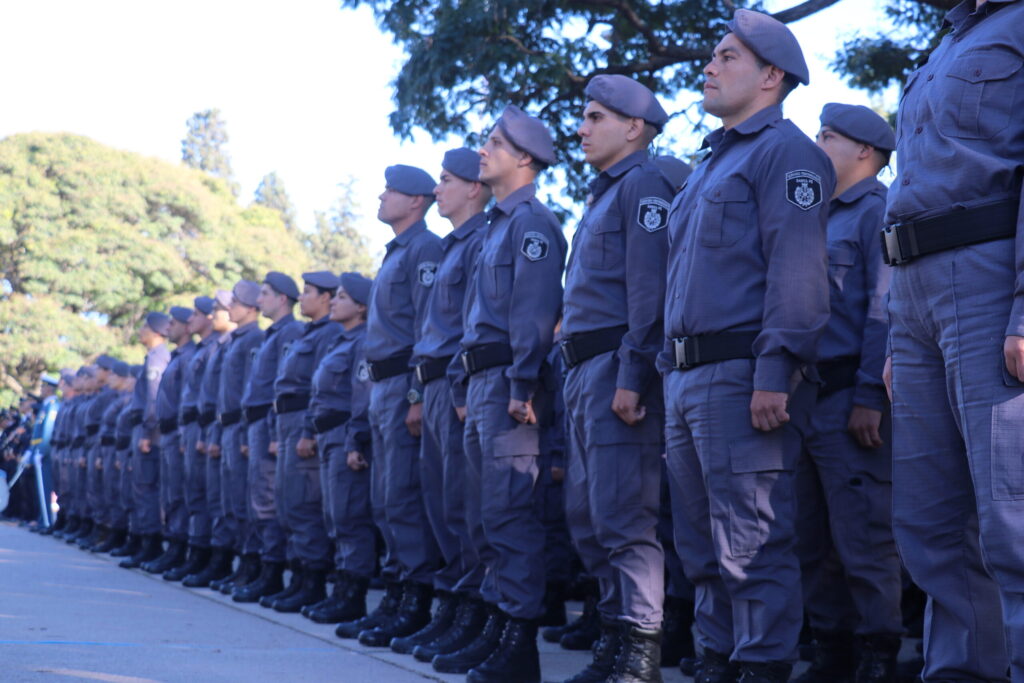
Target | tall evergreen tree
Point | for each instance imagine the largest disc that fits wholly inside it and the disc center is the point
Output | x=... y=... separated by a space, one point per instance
x=336 y=244
x=204 y=146
x=271 y=194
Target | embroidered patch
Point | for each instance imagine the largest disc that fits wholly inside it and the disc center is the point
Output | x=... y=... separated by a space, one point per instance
x=363 y=372
x=652 y=214
x=427 y=273
x=152 y=375
x=803 y=189
x=535 y=246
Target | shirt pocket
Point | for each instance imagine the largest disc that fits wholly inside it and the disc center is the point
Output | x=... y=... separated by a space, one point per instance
x=979 y=94
x=395 y=289
x=841 y=259
x=498 y=274
x=602 y=248
x=452 y=287
x=726 y=212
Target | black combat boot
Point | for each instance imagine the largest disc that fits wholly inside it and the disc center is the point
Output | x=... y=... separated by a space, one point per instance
x=715 y=667
x=114 y=539
x=878 y=659
x=249 y=569
x=606 y=652
x=384 y=612
x=834 y=660
x=74 y=524
x=174 y=556
x=198 y=558
x=269 y=582
x=312 y=590
x=478 y=650
x=765 y=672
x=413 y=614
x=218 y=584
x=60 y=523
x=333 y=599
x=99 y=532
x=589 y=620
x=444 y=617
x=151 y=547
x=131 y=545
x=470 y=617
x=83 y=530
x=639 y=659
x=218 y=567
x=294 y=584
x=677 y=631
x=515 y=659
x=554 y=604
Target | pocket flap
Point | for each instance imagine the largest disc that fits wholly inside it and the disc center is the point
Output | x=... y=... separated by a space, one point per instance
x=757 y=454
x=841 y=255
x=990 y=65
x=728 y=190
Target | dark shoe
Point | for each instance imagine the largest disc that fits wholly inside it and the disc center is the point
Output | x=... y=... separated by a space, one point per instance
x=834 y=658
x=677 y=631
x=639 y=659
x=218 y=584
x=174 y=556
x=385 y=611
x=115 y=539
x=269 y=582
x=413 y=614
x=765 y=672
x=312 y=590
x=715 y=667
x=198 y=558
x=249 y=569
x=470 y=618
x=218 y=567
x=606 y=652
x=151 y=547
x=515 y=659
x=294 y=583
x=444 y=617
x=333 y=599
x=878 y=655
x=130 y=546
x=83 y=530
x=554 y=605
x=478 y=650
x=589 y=620
x=99 y=532
x=584 y=632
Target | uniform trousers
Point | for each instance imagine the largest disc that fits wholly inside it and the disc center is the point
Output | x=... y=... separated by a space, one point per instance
x=262 y=472
x=195 y=488
x=234 y=474
x=300 y=503
x=222 y=527
x=172 y=487
x=94 y=481
x=117 y=514
x=146 y=485
x=348 y=514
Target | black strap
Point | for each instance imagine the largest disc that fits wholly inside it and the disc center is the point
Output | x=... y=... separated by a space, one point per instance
x=290 y=403
x=135 y=418
x=169 y=425
x=328 y=421
x=381 y=370
x=903 y=242
x=581 y=347
x=122 y=442
x=433 y=368
x=256 y=413
x=486 y=356
x=189 y=415
x=207 y=417
x=838 y=374
x=107 y=440
x=77 y=442
x=229 y=418
x=713 y=348
x=92 y=430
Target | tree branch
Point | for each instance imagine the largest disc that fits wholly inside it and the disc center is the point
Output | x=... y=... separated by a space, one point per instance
x=804 y=9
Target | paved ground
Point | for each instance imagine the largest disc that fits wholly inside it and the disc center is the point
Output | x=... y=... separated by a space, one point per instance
x=69 y=615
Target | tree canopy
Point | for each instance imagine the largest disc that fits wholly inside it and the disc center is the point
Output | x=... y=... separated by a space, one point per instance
x=205 y=146
x=271 y=194
x=336 y=243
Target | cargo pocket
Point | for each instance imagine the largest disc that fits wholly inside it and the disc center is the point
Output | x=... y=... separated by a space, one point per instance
x=755 y=464
x=980 y=93
x=1007 y=448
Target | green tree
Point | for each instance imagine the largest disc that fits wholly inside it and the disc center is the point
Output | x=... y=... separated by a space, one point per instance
x=336 y=244
x=92 y=238
x=204 y=146
x=271 y=194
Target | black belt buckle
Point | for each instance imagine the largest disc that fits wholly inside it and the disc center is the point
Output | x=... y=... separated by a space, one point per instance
x=892 y=244
x=687 y=355
x=568 y=351
x=467 y=362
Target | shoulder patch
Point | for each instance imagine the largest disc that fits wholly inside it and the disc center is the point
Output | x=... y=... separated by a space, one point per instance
x=363 y=371
x=535 y=246
x=652 y=214
x=427 y=271
x=152 y=375
x=803 y=189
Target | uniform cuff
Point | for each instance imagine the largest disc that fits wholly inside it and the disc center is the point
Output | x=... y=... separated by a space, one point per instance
x=522 y=390
x=772 y=373
x=871 y=396
x=633 y=377
x=1015 y=328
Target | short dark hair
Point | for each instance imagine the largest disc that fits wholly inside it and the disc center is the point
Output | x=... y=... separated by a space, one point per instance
x=323 y=290
x=789 y=81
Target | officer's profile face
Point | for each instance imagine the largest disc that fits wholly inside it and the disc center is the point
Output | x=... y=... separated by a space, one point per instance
x=221 y=319
x=452 y=193
x=344 y=309
x=733 y=78
x=499 y=157
x=394 y=206
x=177 y=330
x=269 y=301
x=237 y=311
x=312 y=301
x=197 y=322
x=844 y=152
x=604 y=134
x=145 y=334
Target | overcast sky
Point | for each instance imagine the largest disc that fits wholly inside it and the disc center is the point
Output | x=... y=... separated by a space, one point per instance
x=303 y=85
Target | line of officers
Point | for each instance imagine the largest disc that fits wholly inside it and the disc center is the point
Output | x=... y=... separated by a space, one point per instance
x=722 y=335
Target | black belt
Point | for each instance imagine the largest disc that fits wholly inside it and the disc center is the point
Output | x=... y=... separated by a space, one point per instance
x=229 y=418
x=77 y=442
x=429 y=370
x=838 y=374
x=189 y=415
x=135 y=418
x=712 y=348
x=256 y=413
x=291 y=403
x=169 y=425
x=328 y=421
x=207 y=417
x=581 y=347
x=107 y=441
x=92 y=430
x=903 y=242
x=381 y=370
x=122 y=442
x=486 y=356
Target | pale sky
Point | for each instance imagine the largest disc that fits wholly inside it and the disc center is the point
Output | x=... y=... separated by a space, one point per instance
x=303 y=85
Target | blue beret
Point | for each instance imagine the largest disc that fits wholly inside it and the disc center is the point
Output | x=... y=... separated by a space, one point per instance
x=463 y=162
x=122 y=369
x=676 y=170
x=245 y=292
x=357 y=287
x=627 y=97
x=859 y=123
x=528 y=133
x=324 y=279
x=106 y=362
x=409 y=180
x=181 y=314
x=222 y=298
x=158 y=322
x=203 y=304
x=282 y=284
x=51 y=380
x=772 y=41
x=86 y=371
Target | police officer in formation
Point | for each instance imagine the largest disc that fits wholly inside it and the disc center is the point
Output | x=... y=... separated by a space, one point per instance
x=730 y=328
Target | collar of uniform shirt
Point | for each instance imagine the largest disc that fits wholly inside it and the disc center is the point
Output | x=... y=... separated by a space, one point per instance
x=523 y=194
x=466 y=229
x=322 y=321
x=956 y=16
x=402 y=239
x=279 y=323
x=606 y=178
x=858 y=190
x=754 y=124
x=348 y=334
x=245 y=329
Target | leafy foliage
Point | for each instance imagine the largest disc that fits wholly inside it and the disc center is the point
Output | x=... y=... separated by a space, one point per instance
x=271 y=194
x=335 y=243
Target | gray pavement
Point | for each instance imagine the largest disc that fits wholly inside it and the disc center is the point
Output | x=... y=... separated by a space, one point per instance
x=68 y=615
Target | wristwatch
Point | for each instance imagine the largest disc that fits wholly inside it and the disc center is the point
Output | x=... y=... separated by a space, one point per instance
x=414 y=397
